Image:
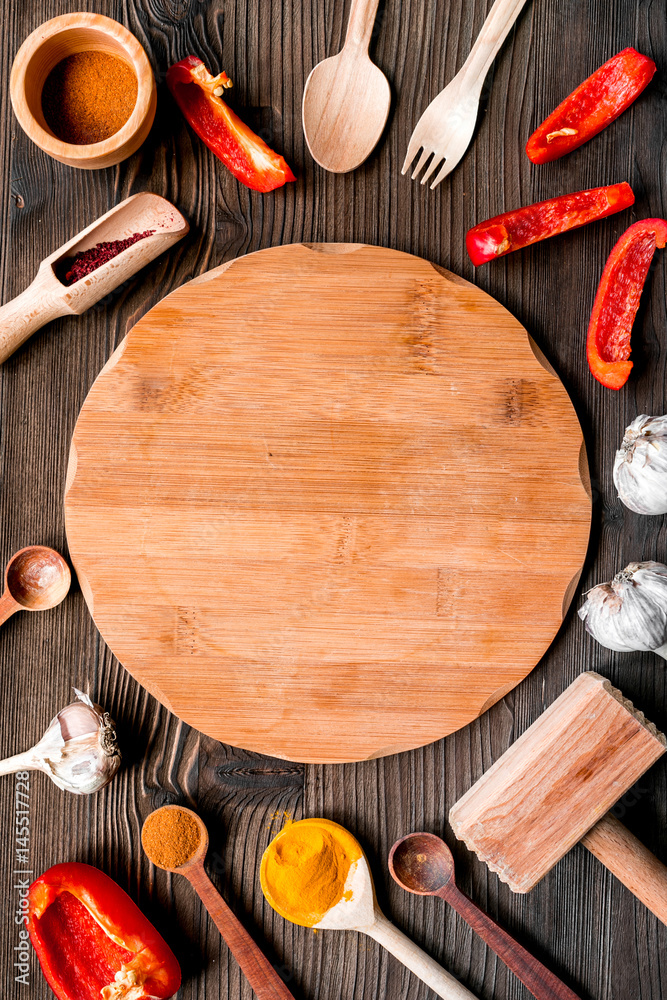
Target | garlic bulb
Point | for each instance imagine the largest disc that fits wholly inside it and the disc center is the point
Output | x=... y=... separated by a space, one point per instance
x=78 y=751
x=630 y=613
x=640 y=467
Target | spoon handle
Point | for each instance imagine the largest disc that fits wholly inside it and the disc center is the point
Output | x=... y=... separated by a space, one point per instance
x=536 y=977
x=360 y=25
x=36 y=306
x=8 y=607
x=411 y=955
x=256 y=967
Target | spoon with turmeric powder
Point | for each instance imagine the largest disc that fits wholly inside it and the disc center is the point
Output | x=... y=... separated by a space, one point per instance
x=315 y=873
x=176 y=840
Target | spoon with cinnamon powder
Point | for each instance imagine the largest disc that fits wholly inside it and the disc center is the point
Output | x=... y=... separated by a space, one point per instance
x=176 y=840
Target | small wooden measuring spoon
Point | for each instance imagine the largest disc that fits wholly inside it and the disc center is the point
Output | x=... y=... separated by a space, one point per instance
x=47 y=297
x=358 y=911
x=256 y=967
x=346 y=99
x=422 y=863
x=36 y=578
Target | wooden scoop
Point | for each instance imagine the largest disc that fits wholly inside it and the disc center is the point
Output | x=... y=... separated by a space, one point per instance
x=256 y=967
x=36 y=578
x=549 y=790
x=423 y=864
x=346 y=99
x=358 y=911
x=47 y=297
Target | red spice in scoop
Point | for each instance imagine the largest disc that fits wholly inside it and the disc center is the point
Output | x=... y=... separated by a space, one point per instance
x=89 y=260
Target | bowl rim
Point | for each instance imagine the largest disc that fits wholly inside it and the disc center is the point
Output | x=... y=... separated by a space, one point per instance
x=142 y=68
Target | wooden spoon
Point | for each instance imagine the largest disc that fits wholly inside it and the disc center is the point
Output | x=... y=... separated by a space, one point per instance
x=422 y=863
x=47 y=297
x=36 y=578
x=346 y=98
x=358 y=911
x=259 y=972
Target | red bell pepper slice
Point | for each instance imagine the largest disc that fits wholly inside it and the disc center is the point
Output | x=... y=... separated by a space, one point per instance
x=244 y=153
x=617 y=301
x=92 y=941
x=595 y=103
x=519 y=228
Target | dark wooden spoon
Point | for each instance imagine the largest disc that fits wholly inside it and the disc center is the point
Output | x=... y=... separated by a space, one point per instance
x=37 y=578
x=262 y=976
x=423 y=864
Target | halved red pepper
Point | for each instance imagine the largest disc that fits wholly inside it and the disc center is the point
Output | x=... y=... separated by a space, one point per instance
x=93 y=942
x=519 y=228
x=596 y=102
x=617 y=301
x=199 y=96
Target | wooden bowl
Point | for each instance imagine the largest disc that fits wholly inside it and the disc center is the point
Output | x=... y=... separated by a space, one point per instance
x=55 y=40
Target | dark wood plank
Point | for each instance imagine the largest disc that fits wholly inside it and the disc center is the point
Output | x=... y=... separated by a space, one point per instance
x=579 y=921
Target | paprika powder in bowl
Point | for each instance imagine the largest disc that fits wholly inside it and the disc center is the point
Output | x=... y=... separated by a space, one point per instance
x=83 y=90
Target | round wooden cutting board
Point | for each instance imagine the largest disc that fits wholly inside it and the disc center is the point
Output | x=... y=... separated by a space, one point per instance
x=325 y=502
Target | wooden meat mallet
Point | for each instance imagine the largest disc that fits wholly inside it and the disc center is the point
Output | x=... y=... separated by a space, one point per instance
x=554 y=787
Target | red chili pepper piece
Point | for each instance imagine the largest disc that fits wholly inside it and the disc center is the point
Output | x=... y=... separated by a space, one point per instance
x=93 y=942
x=244 y=153
x=513 y=230
x=617 y=301
x=595 y=103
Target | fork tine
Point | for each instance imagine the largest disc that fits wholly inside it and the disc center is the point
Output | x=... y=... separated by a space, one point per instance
x=413 y=148
x=432 y=167
x=426 y=153
x=446 y=168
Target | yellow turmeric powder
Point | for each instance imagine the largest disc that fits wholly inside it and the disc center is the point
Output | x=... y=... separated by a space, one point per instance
x=305 y=867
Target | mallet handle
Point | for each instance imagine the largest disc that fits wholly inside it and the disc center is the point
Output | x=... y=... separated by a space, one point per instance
x=631 y=863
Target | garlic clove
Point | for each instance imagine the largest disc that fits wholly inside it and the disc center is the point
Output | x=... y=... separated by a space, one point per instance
x=640 y=465
x=630 y=613
x=79 y=718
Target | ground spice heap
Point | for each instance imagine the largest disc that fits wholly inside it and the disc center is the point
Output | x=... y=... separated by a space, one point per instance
x=72 y=269
x=170 y=837
x=88 y=97
x=305 y=868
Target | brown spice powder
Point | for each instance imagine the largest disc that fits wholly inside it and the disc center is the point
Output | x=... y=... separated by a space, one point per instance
x=88 y=97
x=170 y=837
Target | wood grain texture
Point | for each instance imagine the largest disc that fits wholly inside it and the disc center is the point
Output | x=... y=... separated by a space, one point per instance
x=579 y=920
x=274 y=494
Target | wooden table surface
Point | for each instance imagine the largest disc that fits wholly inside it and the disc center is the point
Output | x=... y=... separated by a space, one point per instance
x=579 y=920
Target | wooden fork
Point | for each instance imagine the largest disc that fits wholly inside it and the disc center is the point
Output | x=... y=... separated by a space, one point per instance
x=445 y=129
